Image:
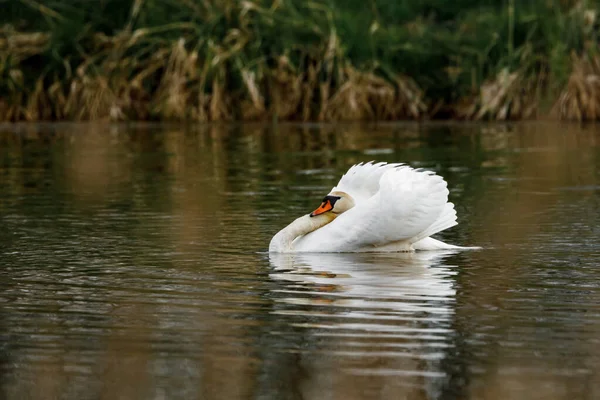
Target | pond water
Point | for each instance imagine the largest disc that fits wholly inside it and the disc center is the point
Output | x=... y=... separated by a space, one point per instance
x=133 y=265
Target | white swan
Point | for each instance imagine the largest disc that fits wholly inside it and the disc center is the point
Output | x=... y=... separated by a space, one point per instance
x=374 y=208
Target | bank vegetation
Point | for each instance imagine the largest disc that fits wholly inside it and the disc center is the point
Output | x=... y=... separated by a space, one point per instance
x=319 y=60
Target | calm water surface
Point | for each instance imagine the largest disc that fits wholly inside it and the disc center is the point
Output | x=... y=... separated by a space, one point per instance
x=133 y=266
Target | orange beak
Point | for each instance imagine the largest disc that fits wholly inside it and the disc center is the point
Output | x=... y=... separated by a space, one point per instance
x=323 y=208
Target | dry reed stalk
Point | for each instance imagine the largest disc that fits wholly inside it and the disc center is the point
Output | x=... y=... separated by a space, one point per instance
x=11 y=105
x=172 y=96
x=218 y=105
x=38 y=105
x=21 y=45
x=14 y=48
x=333 y=55
x=311 y=81
x=57 y=99
x=367 y=96
x=410 y=99
x=350 y=101
x=254 y=107
x=285 y=90
x=508 y=96
x=92 y=98
x=109 y=85
x=580 y=99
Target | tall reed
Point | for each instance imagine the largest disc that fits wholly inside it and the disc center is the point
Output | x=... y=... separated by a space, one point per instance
x=215 y=60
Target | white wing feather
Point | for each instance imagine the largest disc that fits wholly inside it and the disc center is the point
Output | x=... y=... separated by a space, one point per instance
x=361 y=181
x=405 y=203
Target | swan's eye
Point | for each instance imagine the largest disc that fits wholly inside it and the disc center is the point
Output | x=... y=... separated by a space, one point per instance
x=331 y=199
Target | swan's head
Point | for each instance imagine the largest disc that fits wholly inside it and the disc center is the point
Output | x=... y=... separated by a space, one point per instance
x=334 y=204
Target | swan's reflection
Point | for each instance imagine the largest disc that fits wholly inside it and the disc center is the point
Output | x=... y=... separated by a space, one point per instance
x=360 y=321
x=407 y=282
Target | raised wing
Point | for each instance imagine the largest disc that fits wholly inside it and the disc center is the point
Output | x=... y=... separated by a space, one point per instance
x=361 y=181
x=407 y=206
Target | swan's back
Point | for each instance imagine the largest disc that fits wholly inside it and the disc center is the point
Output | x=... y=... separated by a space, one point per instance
x=361 y=181
x=396 y=206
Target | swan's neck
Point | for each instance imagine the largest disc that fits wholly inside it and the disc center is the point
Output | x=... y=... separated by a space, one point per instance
x=282 y=241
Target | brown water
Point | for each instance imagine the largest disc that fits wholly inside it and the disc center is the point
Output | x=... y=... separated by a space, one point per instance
x=133 y=266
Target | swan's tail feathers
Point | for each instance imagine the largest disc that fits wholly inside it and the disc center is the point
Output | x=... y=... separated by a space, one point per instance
x=447 y=219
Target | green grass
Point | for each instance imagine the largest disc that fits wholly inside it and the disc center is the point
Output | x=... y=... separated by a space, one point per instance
x=288 y=59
